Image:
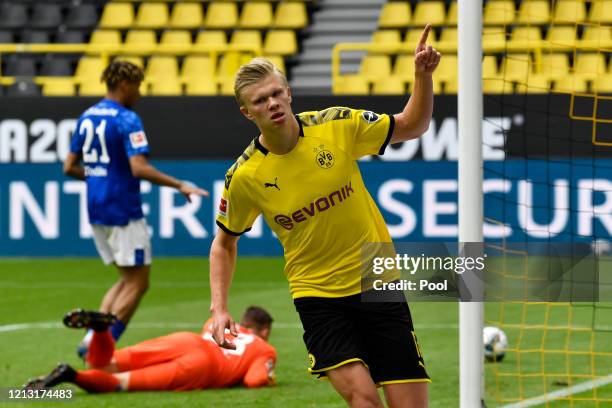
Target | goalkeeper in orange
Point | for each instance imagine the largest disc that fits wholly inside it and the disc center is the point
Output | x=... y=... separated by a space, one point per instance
x=177 y=362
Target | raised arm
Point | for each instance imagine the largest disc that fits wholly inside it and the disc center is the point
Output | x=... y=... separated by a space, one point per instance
x=414 y=120
x=223 y=253
x=141 y=168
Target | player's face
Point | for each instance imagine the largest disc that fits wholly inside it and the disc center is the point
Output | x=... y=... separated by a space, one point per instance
x=267 y=103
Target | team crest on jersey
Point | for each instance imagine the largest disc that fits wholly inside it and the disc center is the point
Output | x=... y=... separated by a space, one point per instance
x=223 y=207
x=325 y=159
x=138 y=139
x=370 y=117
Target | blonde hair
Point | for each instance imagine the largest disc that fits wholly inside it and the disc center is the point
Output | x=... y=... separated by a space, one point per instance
x=256 y=70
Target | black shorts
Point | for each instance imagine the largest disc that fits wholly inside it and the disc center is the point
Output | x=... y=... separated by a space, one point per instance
x=338 y=331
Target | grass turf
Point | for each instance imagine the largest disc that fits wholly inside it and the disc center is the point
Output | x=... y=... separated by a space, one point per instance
x=40 y=291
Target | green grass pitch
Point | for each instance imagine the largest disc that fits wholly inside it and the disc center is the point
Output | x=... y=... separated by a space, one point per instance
x=35 y=293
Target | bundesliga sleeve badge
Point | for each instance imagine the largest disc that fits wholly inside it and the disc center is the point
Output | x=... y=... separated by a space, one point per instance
x=223 y=207
x=138 y=139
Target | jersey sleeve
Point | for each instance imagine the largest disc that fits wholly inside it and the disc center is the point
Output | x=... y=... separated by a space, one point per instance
x=76 y=143
x=133 y=134
x=237 y=210
x=261 y=372
x=371 y=132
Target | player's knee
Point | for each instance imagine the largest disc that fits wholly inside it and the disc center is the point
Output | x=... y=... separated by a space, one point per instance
x=364 y=399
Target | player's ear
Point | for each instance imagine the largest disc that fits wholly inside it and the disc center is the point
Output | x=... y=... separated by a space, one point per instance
x=246 y=112
x=289 y=93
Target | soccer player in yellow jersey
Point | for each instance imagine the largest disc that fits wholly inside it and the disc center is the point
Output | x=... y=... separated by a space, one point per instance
x=301 y=174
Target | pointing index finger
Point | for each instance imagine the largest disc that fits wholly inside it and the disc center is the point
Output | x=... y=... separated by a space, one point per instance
x=425 y=34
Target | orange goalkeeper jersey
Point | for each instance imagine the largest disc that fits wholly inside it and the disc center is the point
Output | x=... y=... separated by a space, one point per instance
x=252 y=363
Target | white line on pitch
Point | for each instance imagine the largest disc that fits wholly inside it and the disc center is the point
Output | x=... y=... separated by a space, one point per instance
x=551 y=396
x=182 y=325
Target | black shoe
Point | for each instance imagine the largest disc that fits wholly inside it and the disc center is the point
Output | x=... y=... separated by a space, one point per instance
x=62 y=373
x=79 y=318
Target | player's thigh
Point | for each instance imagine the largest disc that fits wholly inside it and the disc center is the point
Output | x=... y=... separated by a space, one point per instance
x=156 y=351
x=393 y=352
x=101 y=235
x=354 y=384
x=407 y=395
x=329 y=334
x=131 y=244
x=188 y=372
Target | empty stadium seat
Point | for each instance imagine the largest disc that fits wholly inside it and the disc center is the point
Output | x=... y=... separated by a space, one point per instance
x=494 y=37
x=23 y=87
x=374 y=67
x=277 y=60
x=449 y=35
x=516 y=67
x=161 y=66
x=291 y=15
x=526 y=37
x=394 y=15
x=256 y=15
x=70 y=37
x=534 y=12
x=92 y=87
x=429 y=12
x=59 y=87
x=554 y=66
x=175 y=42
x=226 y=87
x=496 y=86
x=598 y=34
x=166 y=87
x=351 y=85
x=414 y=35
x=117 y=15
x=105 y=37
x=451 y=16
x=186 y=15
x=7 y=37
x=35 y=37
x=89 y=69
x=447 y=69
x=404 y=67
x=451 y=86
x=82 y=16
x=589 y=65
x=391 y=85
x=54 y=65
x=46 y=15
x=20 y=65
x=534 y=84
x=569 y=11
x=211 y=37
x=601 y=12
x=561 y=37
x=200 y=87
x=221 y=15
x=140 y=42
x=571 y=84
x=603 y=84
x=229 y=65
x=386 y=37
x=198 y=66
x=499 y=12
x=138 y=61
x=152 y=15
x=247 y=37
x=13 y=15
x=280 y=42
x=489 y=66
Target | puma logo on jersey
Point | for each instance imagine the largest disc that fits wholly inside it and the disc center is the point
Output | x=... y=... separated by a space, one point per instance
x=273 y=184
x=369 y=116
x=317 y=206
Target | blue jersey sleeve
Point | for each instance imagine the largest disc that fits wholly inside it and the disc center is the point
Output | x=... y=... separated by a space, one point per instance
x=76 y=143
x=133 y=134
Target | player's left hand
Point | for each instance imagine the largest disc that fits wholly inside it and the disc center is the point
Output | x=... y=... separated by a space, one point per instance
x=187 y=190
x=426 y=58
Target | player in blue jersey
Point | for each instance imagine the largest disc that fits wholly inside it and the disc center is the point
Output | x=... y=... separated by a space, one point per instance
x=109 y=151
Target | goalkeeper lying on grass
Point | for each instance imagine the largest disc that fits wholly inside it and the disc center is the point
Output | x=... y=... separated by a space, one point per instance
x=179 y=361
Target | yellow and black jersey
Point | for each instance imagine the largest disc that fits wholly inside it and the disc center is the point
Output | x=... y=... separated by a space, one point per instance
x=313 y=198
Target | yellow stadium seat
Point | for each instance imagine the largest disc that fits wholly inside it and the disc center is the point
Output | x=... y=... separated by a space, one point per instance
x=351 y=85
x=496 y=86
x=152 y=15
x=413 y=36
x=526 y=37
x=451 y=86
x=534 y=12
x=161 y=66
x=229 y=65
x=166 y=87
x=447 y=70
x=489 y=66
x=117 y=15
x=389 y=86
x=571 y=84
x=175 y=42
x=198 y=66
x=107 y=37
x=516 y=67
x=200 y=87
x=534 y=84
x=601 y=11
x=590 y=65
x=221 y=15
x=449 y=35
x=246 y=37
x=59 y=87
x=429 y=12
x=451 y=16
x=89 y=68
x=554 y=66
x=404 y=67
x=386 y=37
x=256 y=15
x=561 y=37
x=92 y=87
x=138 y=61
x=494 y=37
x=226 y=87
x=186 y=15
x=569 y=11
x=140 y=42
x=499 y=13
x=277 y=60
x=211 y=38
x=374 y=67
x=394 y=15
x=291 y=15
x=280 y=42
x=603 y=84
x=598 y=34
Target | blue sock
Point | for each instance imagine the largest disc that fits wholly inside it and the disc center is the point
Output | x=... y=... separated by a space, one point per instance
x=117 y=329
